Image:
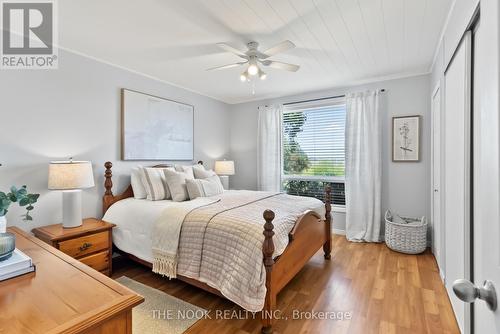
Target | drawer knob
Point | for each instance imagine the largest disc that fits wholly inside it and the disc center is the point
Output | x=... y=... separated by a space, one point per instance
x=85 y=246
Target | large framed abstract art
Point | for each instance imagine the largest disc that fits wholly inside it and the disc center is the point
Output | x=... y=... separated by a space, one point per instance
x=406 y=138
x=155 y=128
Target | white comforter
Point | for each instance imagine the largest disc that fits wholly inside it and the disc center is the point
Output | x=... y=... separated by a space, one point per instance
x=226 y=254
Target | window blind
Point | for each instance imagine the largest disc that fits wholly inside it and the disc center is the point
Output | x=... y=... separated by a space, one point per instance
x=313 y=148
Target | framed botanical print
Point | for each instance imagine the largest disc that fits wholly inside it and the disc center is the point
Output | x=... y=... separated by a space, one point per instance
x=155 y=128
x=406 y=138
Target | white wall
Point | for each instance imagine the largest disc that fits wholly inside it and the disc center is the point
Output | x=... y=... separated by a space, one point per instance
x=405 y=186
x=75 y=112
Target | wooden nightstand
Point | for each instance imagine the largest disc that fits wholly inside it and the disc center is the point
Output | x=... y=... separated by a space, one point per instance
x=90 y=243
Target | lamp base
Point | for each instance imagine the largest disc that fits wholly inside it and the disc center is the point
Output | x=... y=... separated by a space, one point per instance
x=224 y=179
x=72 y=208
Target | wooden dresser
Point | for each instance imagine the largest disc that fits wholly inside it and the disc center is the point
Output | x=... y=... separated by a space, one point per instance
x=63 y=296
x=90 y=243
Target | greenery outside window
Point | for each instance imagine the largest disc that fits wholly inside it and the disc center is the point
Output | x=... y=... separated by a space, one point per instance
x=313 y=149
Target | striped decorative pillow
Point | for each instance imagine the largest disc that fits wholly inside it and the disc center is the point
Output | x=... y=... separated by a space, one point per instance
x=137 y=184
x=154 y=182
x=204 y=187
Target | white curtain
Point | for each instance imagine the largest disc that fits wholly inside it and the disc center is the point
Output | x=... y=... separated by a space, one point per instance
x=269 y=148
x=363 y=167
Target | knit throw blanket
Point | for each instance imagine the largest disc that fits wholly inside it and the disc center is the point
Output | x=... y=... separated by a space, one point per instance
x=166 y=232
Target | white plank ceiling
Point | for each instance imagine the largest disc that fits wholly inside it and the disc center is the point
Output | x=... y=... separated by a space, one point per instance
x=339 y=42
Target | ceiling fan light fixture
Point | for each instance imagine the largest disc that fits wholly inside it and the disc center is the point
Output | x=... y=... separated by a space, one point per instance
x=255 y=59
x=253 y=69
x=244 y=76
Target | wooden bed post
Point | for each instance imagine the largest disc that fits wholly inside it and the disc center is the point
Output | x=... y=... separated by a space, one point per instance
x=327 y=247
x=107 y=200
x=267 y=251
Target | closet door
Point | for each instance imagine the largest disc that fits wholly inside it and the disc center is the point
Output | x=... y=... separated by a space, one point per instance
x=437 y=223
x=457 y=155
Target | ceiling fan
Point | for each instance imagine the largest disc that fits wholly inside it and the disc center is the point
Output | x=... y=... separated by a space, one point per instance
x=253 y=57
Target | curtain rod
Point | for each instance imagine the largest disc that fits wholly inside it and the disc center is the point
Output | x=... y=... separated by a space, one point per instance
x=320 y=99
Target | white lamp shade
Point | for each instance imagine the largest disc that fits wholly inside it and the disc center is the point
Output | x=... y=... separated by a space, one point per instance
x=224 y=167
x=67 y=175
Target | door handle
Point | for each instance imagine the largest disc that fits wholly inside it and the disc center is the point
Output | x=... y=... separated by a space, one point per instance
x=466 y=291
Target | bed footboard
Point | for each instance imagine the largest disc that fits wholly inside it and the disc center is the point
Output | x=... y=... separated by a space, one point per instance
x=309 y=234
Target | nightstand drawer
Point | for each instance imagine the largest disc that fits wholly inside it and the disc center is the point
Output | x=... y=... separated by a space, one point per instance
x=88 y=244
x=99 y=261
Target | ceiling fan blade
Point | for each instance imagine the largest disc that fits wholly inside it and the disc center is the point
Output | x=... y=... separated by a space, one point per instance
x=225 y=66
x=278 y=48
x=235 y=51
x=281 y=66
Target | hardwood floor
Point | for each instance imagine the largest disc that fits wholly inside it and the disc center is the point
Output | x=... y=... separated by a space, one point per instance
x=383 y=291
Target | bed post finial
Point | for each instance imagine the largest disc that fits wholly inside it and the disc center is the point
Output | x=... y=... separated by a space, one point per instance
x=328 y=202
x=108 y=184
x=108 y=197
x=327 y=246
x=267 y=251
x=268 y=247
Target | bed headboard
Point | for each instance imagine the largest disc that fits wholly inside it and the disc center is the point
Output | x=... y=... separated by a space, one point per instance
x=109 y=198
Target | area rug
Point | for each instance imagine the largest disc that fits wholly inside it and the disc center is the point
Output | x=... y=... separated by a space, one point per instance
x=160 y=313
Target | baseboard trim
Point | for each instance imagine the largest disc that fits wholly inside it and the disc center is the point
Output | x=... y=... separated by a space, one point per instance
x=441 y=273
x=338 y=231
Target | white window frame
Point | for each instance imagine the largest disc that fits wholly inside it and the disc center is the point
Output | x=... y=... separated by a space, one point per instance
x=320 y=178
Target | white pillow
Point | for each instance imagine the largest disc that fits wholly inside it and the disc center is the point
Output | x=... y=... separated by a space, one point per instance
x=154 y=182
x=176 y=182
x=202 y=173
x=204 y=187
x=136 y=182
x=199 y=166
x=185 y=169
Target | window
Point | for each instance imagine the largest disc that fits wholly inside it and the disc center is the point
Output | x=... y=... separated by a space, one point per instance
x=313 y=149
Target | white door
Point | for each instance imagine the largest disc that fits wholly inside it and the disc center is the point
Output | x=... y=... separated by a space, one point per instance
x=456 y=204
x=436 y=177
x=486 y=179
x=486 y=175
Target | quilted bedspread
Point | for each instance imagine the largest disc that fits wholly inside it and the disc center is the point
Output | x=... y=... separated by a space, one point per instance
x=221 y=243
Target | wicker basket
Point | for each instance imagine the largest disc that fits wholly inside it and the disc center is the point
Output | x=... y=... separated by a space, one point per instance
x=409 y=238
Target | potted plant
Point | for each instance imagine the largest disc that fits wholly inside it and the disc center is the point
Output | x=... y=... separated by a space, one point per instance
x=20 y=196
x=24 y=199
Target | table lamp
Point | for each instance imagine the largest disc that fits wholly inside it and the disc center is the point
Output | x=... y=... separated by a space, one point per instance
x=224 y=168
x=70 y=177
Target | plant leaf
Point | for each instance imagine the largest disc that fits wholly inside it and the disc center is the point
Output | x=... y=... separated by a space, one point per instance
x=33 y=197
x=24 y=201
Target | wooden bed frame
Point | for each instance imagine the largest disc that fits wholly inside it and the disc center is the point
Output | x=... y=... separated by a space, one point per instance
x=309 y=234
